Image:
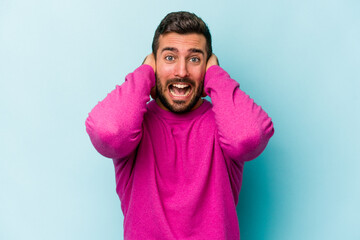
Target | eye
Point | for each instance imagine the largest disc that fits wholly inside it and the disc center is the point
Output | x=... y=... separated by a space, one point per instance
x=169 y=58
x=195 y=59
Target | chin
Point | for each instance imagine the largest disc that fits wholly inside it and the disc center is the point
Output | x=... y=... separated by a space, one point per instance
x=180 y=106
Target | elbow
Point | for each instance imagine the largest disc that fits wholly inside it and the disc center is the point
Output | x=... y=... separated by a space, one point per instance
x=256 y=143
x=246 y=147
x=253 y=147
x=104 y=140
x=112 y=141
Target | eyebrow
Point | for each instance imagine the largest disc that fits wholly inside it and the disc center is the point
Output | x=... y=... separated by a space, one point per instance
x=196 y=50
x=192 y=50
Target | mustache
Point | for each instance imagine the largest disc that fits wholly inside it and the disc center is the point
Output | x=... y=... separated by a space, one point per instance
x=182 y=80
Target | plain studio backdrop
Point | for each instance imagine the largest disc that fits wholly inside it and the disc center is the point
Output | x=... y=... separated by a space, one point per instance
x=299 y=60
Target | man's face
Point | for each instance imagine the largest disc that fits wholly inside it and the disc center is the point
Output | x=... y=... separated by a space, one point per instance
x=180 y=71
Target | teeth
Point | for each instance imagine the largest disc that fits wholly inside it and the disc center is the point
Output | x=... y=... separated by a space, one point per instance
x=180 y=85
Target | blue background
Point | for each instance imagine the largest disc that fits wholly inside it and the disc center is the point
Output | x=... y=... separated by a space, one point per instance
x=300 y=60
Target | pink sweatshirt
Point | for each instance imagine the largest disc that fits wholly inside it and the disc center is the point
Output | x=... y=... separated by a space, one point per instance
x=178 y=176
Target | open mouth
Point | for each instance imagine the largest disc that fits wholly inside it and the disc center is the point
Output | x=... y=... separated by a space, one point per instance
x=180 y=90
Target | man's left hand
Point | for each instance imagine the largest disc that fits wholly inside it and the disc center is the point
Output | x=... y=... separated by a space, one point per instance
x=212 y=61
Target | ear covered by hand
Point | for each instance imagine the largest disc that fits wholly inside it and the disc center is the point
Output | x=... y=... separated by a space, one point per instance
x=213 y=60
x=150 y=60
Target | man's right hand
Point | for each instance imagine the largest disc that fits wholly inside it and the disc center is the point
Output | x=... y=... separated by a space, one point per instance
x=150 y=60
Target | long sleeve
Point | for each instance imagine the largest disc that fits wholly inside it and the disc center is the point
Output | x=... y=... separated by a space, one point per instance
x=244 y=129
x=115 y=124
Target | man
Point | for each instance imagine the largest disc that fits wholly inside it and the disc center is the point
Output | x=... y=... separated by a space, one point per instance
x=179 y=159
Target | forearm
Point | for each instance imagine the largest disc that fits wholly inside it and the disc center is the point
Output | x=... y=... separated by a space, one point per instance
x=244 y=129
x=115 y=124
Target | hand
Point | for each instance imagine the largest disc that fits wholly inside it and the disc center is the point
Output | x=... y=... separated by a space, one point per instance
x=212 y=61
x=150 y=60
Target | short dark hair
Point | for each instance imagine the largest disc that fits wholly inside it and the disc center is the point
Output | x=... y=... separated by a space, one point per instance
x=182 y=23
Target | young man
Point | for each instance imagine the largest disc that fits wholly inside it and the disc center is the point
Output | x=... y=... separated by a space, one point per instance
x=179 y=158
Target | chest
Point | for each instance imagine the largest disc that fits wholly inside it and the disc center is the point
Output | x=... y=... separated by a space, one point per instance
x=179 y=150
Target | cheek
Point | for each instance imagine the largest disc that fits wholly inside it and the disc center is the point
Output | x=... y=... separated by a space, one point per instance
x=164 y=69
x=198 y=74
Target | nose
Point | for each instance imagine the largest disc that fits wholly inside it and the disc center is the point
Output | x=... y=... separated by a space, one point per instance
x=181 y=70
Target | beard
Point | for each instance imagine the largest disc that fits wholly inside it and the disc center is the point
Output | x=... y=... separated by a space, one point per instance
x=179 y=106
